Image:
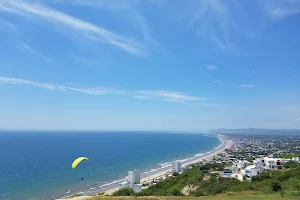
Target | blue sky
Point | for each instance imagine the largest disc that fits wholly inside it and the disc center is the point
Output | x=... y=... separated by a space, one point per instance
x=149 y=65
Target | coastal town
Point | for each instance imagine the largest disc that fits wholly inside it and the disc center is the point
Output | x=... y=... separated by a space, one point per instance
x=244 y=157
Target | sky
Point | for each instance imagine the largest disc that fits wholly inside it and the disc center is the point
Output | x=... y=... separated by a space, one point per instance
x=149 y=64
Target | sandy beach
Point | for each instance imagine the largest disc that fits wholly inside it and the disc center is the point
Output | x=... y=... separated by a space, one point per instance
x=226 y=145
x=161 y=173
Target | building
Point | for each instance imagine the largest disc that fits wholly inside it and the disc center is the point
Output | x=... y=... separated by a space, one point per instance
x=227 y=173
x=134 y=177
x=133 y=181
x=238 y=165
x=258 y=162
x=137 y=187
x=273 y=163
x=176 y=166
x=297 y=159
x=252 y=171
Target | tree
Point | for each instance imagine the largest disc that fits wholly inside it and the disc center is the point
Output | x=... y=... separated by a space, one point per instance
x=276 y=186
x=175 y=174
x=291 y=164
x=176 y=192
x=124 y=192
x=295 y=184
x=199 y=192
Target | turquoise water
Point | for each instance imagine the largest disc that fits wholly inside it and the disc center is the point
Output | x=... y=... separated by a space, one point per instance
x=37 y=165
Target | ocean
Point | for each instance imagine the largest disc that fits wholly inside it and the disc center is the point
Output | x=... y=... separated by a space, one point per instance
x=37 y=165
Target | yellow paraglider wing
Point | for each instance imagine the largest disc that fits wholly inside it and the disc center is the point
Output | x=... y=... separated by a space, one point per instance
x=77 y=161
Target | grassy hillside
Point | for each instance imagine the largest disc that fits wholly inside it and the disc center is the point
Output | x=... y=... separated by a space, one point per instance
x=216 y=197
x=200 y=181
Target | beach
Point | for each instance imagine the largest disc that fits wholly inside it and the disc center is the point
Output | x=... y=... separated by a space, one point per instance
x=226 y=143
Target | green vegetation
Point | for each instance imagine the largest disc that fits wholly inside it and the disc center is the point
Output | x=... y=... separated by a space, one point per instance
x=125 y=192
x=250 y=159
x=201 y=181
x=291 y=164
x=288 y=156
x=233 y=196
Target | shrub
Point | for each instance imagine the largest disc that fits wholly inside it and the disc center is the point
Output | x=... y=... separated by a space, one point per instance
x=124 y=192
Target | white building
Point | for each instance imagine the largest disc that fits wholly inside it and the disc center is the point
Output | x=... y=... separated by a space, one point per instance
x=132 y=181
x=137 y=187
x=297 y=159
x=176 y=166
x=273 y=163
x=258 y=162
x=134 y=177
x=252 y=171
x=238 y=165
x=227 y=173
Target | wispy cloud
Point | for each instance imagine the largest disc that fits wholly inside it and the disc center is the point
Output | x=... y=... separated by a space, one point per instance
x=247 y=86
x=291 y=107
x=128 y=10
x=28 y=48
x=298 y=119
x=217 y=81
x=71 y=24
x=168 y=96
x=211 y=67
x=278 y=9
x=214 y=22
x=139 y=94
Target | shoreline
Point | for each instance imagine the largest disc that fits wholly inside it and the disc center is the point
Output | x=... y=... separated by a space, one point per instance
x=226 y=143
x=114 y=186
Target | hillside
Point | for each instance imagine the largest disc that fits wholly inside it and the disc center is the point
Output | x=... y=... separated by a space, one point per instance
x=222 y=197
x=204 y=181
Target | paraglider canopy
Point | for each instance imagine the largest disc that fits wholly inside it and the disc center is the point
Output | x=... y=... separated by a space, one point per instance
x=77 y=161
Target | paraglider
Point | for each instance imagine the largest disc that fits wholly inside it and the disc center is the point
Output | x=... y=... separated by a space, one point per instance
x=77 y=161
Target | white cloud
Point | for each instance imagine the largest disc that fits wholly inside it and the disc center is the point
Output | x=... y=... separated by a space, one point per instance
x=115 y=5
x=211 y=67
x=168 y=96
x=247 y=86
x=28 y=48
x=143 y=94
x=71 y=24
x=278 y=9
x=127 y=10
x=298 y=119
x=214 y=22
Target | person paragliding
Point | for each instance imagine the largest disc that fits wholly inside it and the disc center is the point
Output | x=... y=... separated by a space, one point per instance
x=77 y=161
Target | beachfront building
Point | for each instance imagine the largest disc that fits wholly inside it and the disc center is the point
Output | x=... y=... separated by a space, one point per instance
x=252 y=171
x=134 y=177
x=137 y=187
x=273 y=163
x=133 y=181
x=176 y=166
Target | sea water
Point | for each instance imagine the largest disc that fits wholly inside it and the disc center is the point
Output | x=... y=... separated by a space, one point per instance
x=37 y=165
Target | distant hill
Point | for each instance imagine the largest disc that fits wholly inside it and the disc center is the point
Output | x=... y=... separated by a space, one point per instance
x=256 y=131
